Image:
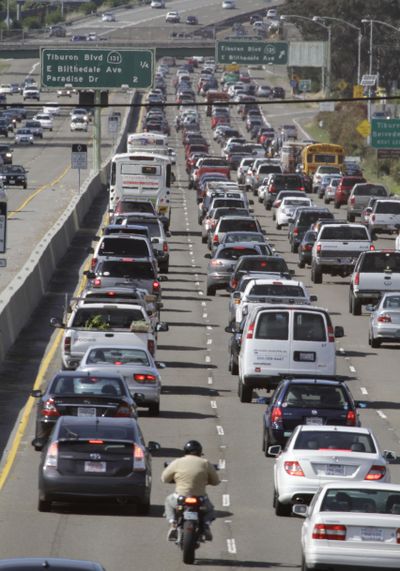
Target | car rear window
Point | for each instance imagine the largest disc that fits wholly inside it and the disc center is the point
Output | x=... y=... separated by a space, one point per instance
x=124 y=247
x=315 y=396
x=117 y=269
x=306 y=218
x=87 y=385
x=344 y=233
x=381 y=262
x=243 y=237
x=228 y=202
x=277 y=265
x=370 y=190
x=273 y=325
x=226 y=211
x=106 y=318
x=103 y=432
x=334 y=440
x=388 y=208
x=265 y=169
x=309 y=326
x=153 y=226
x=392 y=302
x=277 y=290
x=361 y=501
x=234 y=253
x=243 y=225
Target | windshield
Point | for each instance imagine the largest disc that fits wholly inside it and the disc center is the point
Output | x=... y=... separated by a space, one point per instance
x=117 y=356
x=334 y=440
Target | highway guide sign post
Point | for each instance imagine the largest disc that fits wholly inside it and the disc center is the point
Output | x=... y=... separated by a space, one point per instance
x=95 y=68
x=242 y=52
x=79 y=160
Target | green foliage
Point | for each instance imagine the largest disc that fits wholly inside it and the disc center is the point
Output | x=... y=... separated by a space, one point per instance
x=32 y=23
x=54 y=17
x=88 y=8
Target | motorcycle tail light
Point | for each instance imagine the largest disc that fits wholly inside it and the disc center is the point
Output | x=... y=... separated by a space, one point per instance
x=191 y=501
x=376 y=473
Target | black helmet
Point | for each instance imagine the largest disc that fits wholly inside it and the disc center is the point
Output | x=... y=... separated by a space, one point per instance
x=193 y=447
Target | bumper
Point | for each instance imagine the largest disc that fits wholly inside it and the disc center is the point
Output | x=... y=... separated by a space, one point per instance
x=151 y=394
x=294 y=492
x=219 y=281
x=354 y=559
x=389 y=333
x=261 y=381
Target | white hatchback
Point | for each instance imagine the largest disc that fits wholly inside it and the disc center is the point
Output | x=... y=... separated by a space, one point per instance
x=287 y=208
x=45 y=120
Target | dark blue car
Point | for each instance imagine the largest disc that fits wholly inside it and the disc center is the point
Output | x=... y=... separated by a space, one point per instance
x=306 y=401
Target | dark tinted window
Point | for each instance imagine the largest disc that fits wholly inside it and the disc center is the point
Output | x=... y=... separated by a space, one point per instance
x=240 y=224
x=101 y=431
x=370 y=190
x=309 y=327
x=126 y=270
x=273 y=325
x=381 y=261
x=306 y=218
x=277 y=265
x=133 y=206
x=276 y=289
x=124 y=247
x=344 y=233
x=335 y=440
x=243 y=237
x=388 y=208
x=315 y=396
x=117 y=356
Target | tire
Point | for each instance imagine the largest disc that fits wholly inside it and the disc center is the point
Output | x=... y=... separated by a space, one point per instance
x=233 y=367
x=351 y=217
x=25 y=186
x=316 y=275
x=154 y=409
x=210 y=290
x=326 y=201
x=245 y=393
x=278 y=226
x=281 y=510
x=304 y=567
x=188 y=543
x=266 y=443
x=375 y=343
x=301 y=264
x=204 y=239
x=44 y=505
x=355 y=305
x=336 y=205
x=294 y=248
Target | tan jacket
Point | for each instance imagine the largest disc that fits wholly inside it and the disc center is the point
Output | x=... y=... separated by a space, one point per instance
x=191 y=475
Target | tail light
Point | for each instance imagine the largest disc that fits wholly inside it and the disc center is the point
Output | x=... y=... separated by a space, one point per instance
x=67 y=345
x=276 y=415
x=333 y=532
x=376 y=473
x=318 y=248
x=156 y=286
x=139 y=460
x=49 y=409
x=144 y=378
x=372 y=217
x=250 y=331
x=398 y=535
x=51 y=456
x=151 y=346
x=331 y=334
x=308 y=247
x=277 y=203
x=216 y=263
x=93 y=263
x=191 y=501
x=272 y=189
x=215 y=239
x=123 y=411
x=234 y=283
x=372 y=248
x=293 y=468
x=295 y=232
x=384 y=318
x=351 y=418
x=165 y=247
x=357 y=279
x=352 y=200
x=97 y=282
x=302 y=188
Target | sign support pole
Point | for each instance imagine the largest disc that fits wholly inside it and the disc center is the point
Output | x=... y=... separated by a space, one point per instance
x=97 y=132
x=79 y=181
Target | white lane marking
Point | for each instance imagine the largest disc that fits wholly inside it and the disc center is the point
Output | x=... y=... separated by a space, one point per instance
x=210 y=380
x=200 y=292
x=209 y=341
x=209 y=327
x=196 y=275
x=221 y=464
x=205 y=315
x=227 y=521
x=213 y=404
x=231 y=543
x=203 y=303
x=220 y=430
x=207 y=358
x=33 y=68
x=381 y=414
x=196 y=283
x=363 y=390
x=352 y=369
x=341 y=349
x=226 y=500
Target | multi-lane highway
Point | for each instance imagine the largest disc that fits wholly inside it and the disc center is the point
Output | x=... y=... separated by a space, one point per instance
x=199 y=401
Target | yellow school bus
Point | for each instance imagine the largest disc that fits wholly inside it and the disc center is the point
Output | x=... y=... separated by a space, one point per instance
x=321 y=154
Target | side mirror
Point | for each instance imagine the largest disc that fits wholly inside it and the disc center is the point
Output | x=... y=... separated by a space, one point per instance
x=339 y=331
x=313 y=298
x=237 y=295
x=38 y=444
x=275 y=450
x=162 y=326
x=56 y=323
x=36 y=393
x=89 y=274
x=370 y=307
x=153 y=446
x=160 y=365
x=300 y=510
x=389 y=455
x=229 y=329
x=207 y=256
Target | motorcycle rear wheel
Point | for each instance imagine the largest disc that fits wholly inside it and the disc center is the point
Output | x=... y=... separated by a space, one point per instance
x=189 y=542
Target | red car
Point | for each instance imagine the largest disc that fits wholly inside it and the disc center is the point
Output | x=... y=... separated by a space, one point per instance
x=344 y=188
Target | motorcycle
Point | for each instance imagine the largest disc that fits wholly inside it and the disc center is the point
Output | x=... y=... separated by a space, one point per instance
x=190 y=512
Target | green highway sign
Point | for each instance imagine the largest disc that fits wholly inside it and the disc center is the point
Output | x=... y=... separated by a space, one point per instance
x=229 y=51
x=385 y=133
x=92 y=68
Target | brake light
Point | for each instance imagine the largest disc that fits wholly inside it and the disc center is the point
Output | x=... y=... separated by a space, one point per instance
x=96 y=441
x=331 y=334
x=111 y=294
x=156 y=286
x=67 y=345
x=295 y=232
x=333 y=532
x=165 y=247
x=139 y=460
x=276 y=415
x=151 y=346
x=384 y=318
x=351 y=418
x=357 y=279
x=97 y=282
x=143 y=378
x=308 y=247
x=272 y=189
x=191 y=501
x=250 y=331
x=93 y=263
x=293 y=468
x=372 y=248
x=123 y=411
x=319 y=247
x=51 y=456
x=49 y=409
x=215 y=239
x=216 y=263
x=376 y=473
x=277 y=203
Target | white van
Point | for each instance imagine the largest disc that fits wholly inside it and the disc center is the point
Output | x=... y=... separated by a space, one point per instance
x=283 y=340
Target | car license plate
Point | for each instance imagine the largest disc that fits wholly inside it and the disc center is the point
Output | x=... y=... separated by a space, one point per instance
x=334 y=470
x=371 y=534
x=95 y=467
x=86 y=411
x=306 y=356
x=11 y=181
x=315 y=420
x=287 y=433
x=345 y=260
x=193 y=516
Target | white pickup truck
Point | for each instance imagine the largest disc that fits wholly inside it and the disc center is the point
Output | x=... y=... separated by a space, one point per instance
x=337 y=248
x=104 y=323
x=375 y=273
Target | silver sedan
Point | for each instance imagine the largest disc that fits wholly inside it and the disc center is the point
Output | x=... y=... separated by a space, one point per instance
x=384 y=321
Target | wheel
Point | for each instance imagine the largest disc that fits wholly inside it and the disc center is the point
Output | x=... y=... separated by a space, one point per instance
x=245 y=393
x=316 y=275
x=204 y=239
x=273 y=217
x=355 y=305
x=143 y=508
x=260 y=199
x=301 y=264
x=154 y=409
x=233 y=367
x=375 y=343
x=210 y=290
x=281 y=509
x=304 y=567
x=267 y=206
x=294 y=248
x=164 y=267
x=350 y=217
x=44 y=505
x=336 y=205
x=266 y=443
x=189 y=542
x=278 y=226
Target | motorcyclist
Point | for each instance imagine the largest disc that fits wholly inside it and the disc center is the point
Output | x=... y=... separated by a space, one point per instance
x=191 y=475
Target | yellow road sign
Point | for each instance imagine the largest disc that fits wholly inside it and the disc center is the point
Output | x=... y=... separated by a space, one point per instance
x=364 y=128
x=357 y=91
